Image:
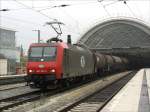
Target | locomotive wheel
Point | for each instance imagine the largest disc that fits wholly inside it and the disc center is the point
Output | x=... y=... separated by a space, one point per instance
x=65 y=83
x=99 y=72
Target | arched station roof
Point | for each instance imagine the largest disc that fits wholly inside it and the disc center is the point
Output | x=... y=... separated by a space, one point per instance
x=117 y=33
x=124 y=37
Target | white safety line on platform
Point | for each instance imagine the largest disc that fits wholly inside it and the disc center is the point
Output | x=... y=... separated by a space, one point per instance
x=131 y=98
x=148 y=82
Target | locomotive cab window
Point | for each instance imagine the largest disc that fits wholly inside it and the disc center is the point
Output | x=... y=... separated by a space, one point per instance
x=36 y=52
x=49 y=52
x=46 y=53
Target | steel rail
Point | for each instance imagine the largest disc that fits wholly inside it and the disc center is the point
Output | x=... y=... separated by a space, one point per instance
x=98 y=100
x=11 y=102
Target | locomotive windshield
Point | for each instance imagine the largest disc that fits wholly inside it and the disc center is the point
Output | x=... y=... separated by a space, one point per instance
x=45 y=53
x=36 y=52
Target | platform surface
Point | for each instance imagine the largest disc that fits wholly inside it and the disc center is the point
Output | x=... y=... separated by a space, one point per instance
x=134 y=96
x=11 y=76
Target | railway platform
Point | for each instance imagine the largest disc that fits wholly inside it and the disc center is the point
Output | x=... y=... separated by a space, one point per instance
x=134 y=96
x=11 y=76
x=10 y=79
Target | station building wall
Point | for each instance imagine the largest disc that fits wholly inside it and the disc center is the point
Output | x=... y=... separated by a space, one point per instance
x=8 y=49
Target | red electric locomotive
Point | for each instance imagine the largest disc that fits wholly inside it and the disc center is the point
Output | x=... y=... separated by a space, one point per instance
x=52 y=62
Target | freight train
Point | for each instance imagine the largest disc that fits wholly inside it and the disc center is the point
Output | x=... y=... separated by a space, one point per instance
x=56 y=62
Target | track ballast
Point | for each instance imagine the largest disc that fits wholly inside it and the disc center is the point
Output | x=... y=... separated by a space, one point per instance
x=98 y=100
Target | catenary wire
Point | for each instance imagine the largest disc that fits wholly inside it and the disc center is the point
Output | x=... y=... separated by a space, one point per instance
x=35 y=10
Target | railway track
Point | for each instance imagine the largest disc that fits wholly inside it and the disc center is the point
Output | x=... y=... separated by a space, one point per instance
x=96 y=101
x=11 y=86
x=17 y=100
x=13 y=102
x=61 y=100
x=32 y=96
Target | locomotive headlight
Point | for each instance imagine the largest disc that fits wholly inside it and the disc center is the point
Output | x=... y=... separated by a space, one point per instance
x=30 y=71
x=53 y=70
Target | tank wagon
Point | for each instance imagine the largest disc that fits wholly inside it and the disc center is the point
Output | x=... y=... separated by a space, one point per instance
x=54 y=62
